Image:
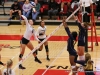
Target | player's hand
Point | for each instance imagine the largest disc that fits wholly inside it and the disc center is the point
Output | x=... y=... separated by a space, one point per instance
x=64 y=22
x=64 y=19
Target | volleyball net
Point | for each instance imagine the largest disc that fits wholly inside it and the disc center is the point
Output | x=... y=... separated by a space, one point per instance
x=57 y=52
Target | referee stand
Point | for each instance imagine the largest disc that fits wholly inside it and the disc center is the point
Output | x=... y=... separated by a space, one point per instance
x=93 y=29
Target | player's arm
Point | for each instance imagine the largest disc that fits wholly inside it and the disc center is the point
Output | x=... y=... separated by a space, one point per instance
x=78 y=22
x=26 y=21
x=35 y=35
x=67 y=28
x=76 y=19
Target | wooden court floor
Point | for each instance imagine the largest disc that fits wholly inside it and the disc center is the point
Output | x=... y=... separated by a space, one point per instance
x=58 y=53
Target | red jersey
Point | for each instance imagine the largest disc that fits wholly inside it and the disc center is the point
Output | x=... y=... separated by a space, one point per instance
x=66 y=0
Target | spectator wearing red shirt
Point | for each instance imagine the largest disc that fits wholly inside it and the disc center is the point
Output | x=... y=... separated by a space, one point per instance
x=65 y=1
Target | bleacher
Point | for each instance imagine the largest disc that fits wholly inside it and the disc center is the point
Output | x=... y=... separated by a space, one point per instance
x=4 y=16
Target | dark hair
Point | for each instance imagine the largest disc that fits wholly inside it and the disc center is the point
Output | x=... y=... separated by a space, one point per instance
x=74 y=34
x=41 y=22
x=15 y=1
x=30 y=19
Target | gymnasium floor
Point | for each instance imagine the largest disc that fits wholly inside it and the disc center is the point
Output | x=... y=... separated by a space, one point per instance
x=59 y=63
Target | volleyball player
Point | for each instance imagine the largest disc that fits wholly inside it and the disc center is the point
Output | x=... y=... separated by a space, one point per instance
x=87 y=63
x=25 y=41
x=81 y=37
x=8 y=70
x=41 y=36
x=70 y=47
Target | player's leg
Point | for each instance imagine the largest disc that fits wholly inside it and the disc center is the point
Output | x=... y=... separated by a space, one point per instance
x=41 y=47
x=22 y=50
x=30 y=46
x=47 y=50
x=81 y=52
x=73 y=64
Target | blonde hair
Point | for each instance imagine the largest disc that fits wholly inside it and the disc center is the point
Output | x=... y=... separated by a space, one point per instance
x=89 y=63
x=87 y=56
x=9 y=64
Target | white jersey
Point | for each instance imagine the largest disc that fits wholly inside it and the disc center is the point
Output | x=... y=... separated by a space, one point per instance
x=87 y=2
x=29 y=30
x=41 y=30
x=10 y=72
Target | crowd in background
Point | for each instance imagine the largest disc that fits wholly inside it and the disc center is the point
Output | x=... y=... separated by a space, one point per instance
x=33 y=8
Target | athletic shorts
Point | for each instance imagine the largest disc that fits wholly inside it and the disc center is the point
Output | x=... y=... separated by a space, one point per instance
x=81 y=43
x=74 y=53
x=24 y=41
x=41 y=39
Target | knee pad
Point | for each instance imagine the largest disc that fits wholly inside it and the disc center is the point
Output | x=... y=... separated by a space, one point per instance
x=21 y=55
x=46 y=48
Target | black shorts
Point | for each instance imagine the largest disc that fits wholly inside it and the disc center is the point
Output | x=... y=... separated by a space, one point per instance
x=81 y=43
x=41 y=39
x=74 y=53
x=24 y=41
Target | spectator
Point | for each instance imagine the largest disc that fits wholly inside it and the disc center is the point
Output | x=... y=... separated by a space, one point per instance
x=74 y=6
x=75 y=2
x=8 y=70
x=21 y=2
x=58 y=4
x=27 y=8
x=53 y=9
x=36 y=10
x=65 y=1
x=15 y=9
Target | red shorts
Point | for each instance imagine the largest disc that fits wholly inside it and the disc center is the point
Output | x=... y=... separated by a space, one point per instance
x=66 y=0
